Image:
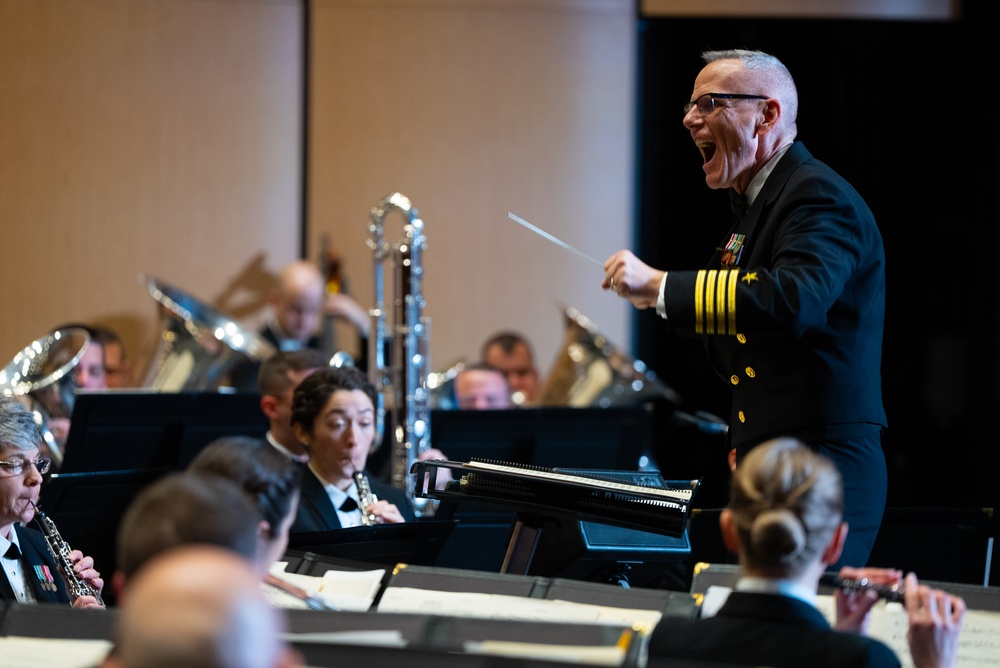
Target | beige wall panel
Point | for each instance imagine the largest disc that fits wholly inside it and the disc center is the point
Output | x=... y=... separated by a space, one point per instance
x=473 y=109
x=161 y=136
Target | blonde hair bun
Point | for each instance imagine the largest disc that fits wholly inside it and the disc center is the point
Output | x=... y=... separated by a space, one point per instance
x=778 y=532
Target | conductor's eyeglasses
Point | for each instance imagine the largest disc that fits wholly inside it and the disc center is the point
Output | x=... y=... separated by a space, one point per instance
x=706 y=103
x=18 y=466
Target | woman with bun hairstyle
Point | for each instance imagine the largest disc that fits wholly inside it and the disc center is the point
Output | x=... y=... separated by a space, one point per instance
x=784 y=521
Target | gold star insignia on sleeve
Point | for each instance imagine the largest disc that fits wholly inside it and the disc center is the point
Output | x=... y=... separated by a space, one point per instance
x=748 y=278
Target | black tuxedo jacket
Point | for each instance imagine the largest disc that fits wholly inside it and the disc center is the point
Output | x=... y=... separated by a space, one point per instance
x=794 y=326
x=35 y=552
x=766 y=630
x=316 y=511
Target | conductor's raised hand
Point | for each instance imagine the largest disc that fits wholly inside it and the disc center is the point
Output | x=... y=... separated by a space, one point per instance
x=631 y=278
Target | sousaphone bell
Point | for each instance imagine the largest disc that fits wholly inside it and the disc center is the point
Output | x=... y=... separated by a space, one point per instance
x=197 y=346
x=590 y=371
x=41 y=376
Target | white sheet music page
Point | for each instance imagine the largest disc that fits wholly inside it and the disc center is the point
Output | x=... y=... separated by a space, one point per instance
x=21 y=652
x=498 y=606
x=343 y=590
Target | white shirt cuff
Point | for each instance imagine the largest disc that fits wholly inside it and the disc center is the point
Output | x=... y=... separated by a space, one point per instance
x=661 y=305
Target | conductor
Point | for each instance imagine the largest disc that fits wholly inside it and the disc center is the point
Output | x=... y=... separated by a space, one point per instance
x=791 y=306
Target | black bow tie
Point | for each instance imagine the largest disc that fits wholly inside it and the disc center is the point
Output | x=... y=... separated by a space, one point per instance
x=12 y=552
x=738 y=203
x=349 y=505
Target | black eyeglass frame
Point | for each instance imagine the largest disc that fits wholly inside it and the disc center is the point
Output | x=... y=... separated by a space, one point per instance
x=722 y=96
x=42 y=465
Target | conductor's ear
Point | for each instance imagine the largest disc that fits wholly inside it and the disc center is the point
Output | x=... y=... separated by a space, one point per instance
x=769 y=116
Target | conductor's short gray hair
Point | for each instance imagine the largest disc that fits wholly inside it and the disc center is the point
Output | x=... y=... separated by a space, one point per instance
x=18 y=429
x=767 y=73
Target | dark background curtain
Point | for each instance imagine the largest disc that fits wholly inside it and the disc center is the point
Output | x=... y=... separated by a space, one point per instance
x=908 y=113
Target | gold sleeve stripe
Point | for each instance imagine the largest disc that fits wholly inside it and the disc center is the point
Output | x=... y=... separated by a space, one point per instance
x=715 y=301
x=733 y=282
x=710 y=279
x=699 y=305
x=720 y=302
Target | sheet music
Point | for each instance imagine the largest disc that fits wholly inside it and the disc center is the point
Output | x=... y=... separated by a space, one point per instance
x=978 y=643
x=576 y=654
x=674 y=495
x=352 y=591
x=21 y=652
x=517 y=608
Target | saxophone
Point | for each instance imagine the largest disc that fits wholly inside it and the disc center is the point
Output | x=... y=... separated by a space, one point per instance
x=60 y=549
x=366 y=499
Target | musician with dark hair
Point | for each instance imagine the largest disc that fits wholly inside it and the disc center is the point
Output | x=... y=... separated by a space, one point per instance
x=511 y=353
x=276 y=381
x=268 y=478
x=31 y=575
x=784 y=520
x=333 y=414
x=182 y=509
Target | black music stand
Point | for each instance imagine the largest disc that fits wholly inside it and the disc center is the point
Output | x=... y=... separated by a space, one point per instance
x=415 y=543
x=562 y=530
x=120 y=442
x=140 y=430
x=592 y=438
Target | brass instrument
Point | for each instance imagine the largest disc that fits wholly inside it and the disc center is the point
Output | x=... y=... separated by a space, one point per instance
x=197 y=346
x=366 y=499
x=59 y=549
x=590 y=371
x=42 y=377
x=403 y=412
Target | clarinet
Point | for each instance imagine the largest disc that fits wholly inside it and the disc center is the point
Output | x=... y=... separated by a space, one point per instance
x=366 y=499
x=60 y=549
x=892 y=593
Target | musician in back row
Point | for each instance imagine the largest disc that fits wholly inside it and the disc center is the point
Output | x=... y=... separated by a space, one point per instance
x=276 y=383
x=30 y=573
x=333 y=414
x=298 y=303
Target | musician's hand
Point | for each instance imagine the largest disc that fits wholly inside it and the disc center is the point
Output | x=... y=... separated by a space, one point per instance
x=340 y=305
x=854 y=608
x=443 y=476
x=386 y=513
x=629 y=277
x=83 y=566
x=87 y=602
x=935 y=621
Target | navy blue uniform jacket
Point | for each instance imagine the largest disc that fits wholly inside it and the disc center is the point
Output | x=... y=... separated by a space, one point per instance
x=795 y=326
x=35 y=552
x=766 y=630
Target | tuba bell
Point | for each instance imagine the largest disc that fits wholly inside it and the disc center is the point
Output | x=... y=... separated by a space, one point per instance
x=403 y=413
x=590 y=371
x=197 y=346
x=41 y=376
